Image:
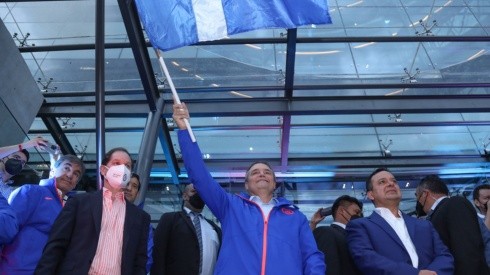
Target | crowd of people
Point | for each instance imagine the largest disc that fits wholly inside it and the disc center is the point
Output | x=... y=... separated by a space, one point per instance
x=45 y=229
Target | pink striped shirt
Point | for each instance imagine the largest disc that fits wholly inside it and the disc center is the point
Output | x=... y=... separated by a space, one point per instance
x=107 y=259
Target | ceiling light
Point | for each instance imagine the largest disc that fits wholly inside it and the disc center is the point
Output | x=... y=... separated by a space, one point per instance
x=240 y=94
x=253 y=46
x=364 y=45
x=317 y=53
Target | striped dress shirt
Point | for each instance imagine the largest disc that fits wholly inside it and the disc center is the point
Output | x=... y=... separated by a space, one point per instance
x=107 y=259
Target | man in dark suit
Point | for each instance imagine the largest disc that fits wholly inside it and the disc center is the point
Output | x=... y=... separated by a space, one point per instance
x=481 y=199
x=331 y=239
x=176 y=248
x=100 y=232
x=456 y=221
x=390 y=242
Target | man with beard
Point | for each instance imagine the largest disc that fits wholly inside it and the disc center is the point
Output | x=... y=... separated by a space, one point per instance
x=185 y=242
x=391 y=242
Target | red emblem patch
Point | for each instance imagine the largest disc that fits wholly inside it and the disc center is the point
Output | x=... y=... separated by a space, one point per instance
x=287 y=211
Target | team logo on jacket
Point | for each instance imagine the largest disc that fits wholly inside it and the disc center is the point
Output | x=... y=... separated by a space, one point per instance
x=287 y=211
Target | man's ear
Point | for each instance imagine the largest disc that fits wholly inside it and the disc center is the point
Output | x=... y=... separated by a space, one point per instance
x=246 y=186
x=369 y=194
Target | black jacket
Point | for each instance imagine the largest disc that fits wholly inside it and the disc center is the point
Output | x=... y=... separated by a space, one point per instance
x=176 y=248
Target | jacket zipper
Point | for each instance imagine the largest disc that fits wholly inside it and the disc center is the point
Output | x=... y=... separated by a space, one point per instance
x=264 y=237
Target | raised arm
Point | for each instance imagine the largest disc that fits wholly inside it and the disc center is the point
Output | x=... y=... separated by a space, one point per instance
x=210 y=191
x=35 y=142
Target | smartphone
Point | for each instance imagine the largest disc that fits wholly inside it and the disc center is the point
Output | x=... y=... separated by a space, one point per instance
x=51 y=148
x=326 y=211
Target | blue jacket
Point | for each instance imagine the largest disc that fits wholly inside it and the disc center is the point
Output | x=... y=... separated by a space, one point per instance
x=8 y=222
x=36 y=207
x=282 y=245
x=377 y=249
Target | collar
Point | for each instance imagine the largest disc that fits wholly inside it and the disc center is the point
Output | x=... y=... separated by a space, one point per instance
x=257 y=200
x=480 y=215
x=280 y=201
x=112 y=196
x=437 y=202
x=188 y=211
x=339 y=224
x=384 y=212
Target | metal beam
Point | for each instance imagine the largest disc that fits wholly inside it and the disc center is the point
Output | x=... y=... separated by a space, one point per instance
x=100 y=85
x=279 y=40
x=140 y=51
x=281 y=106
x=169 y=152
x=297 y=89
x=290 y=61
x=146 y=152
x=285 y=138
x=59 y=137
x=279 y=127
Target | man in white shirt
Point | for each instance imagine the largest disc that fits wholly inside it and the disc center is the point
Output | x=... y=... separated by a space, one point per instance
x=390 y=242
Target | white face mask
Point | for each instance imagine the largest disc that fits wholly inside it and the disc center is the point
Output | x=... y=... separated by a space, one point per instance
x=118 y=176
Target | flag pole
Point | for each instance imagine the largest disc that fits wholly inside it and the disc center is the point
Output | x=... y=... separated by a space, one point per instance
x=174 y=92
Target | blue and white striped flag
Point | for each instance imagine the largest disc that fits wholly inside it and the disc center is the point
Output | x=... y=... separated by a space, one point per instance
x=175 y=23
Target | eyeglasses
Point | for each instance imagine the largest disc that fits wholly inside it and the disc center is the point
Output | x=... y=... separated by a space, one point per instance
x=18 y=158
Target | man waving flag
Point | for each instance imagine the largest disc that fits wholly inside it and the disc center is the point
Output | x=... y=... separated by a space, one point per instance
x=175 y=23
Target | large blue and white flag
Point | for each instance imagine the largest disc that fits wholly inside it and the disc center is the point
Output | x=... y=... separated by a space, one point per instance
x=175 y=23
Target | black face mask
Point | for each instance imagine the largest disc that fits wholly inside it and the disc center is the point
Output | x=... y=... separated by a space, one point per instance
x=353 y=217
x=419 y=210
x=13 y=166
x=196 y=201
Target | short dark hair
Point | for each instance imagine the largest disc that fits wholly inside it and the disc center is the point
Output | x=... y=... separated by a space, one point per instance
x=247 y=173
x=25 y=152
x=434 y=184
x=369 y=184
x=108 y=155
x=344 y=200
x=71 y=159
x=476 y=191
x=134 y=175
